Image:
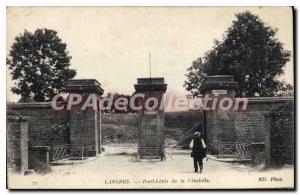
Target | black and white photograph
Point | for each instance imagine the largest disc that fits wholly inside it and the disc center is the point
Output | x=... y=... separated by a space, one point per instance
x=150 y=97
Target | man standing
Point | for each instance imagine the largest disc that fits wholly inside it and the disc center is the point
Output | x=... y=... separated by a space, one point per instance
x=198 y=151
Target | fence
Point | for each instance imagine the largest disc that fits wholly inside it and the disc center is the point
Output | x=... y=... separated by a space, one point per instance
x=234 y=149
x=71 y=151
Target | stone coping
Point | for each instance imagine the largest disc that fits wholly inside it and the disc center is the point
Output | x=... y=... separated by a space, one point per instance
x=83 y=85
x=269 y=99
x=150 y=84
x=31 y=105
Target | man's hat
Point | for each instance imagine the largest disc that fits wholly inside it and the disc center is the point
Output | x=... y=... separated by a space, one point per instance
x=197 y=133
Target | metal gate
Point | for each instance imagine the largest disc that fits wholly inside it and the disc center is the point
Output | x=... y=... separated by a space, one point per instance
x=70 y=151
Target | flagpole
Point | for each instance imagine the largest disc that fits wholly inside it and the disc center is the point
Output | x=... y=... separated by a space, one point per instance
x=150 y=63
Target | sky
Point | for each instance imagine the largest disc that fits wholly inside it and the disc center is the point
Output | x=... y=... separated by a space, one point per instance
x=112 y=44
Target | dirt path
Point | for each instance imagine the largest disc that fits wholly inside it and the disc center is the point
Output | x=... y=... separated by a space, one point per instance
x=112 y=170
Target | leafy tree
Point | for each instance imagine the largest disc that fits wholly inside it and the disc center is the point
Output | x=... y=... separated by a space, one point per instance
x=39 y=64
x=125 y=109
x=285 y=89
x=251 y=52
x=196 y=75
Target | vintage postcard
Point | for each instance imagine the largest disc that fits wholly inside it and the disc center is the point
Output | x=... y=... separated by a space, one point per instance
x=150 y=98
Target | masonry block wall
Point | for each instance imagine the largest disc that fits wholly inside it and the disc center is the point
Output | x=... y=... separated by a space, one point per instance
x=250 y=123
x=152 y=122
x=85 y=123
x=46 y=127
x=220 y=128
x=249 y=126
x=246 y=126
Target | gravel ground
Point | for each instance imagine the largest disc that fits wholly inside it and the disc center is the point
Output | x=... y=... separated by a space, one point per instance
x=117 y=169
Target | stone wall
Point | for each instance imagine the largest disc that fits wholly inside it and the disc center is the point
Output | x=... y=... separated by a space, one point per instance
x=46 y=127
x=249 y=126
x=220 y=128
x=252 y=128
x=83 y=125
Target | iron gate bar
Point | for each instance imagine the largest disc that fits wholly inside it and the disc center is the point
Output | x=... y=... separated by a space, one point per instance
x=60 y=151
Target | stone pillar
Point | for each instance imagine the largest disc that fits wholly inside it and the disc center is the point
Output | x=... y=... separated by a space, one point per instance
x=268 y=127
x=218 y=124
x=24 y=145
x=85 y=125
x=151 y=126
x=279 y=135
x=17 y=143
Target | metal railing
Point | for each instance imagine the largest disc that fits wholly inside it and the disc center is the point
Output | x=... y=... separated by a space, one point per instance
x=243 y=149
x=68 y=151
x=234 y=149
